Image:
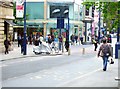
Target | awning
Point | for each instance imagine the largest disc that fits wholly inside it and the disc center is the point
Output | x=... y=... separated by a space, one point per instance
x=10 y=22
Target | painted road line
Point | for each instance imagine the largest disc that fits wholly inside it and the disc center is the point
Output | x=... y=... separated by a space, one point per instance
x=29 y=60
x=84 y=75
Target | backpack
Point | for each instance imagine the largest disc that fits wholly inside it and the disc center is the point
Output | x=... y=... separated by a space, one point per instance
x=105 y=49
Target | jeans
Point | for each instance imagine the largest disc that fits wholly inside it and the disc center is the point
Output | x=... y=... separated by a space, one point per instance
x=60 y=45
x=105 y=60
x=6 y=49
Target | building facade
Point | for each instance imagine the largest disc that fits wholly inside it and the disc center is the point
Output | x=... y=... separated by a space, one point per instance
x=42 y=17
x=6 y=25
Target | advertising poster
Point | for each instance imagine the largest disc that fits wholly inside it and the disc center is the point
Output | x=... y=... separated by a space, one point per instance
x=57 y=11
x=19 y=8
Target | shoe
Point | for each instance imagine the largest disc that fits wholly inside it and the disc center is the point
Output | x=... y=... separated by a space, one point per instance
x=104 y=69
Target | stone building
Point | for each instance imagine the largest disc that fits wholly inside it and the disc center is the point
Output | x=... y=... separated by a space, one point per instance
x=6 y=24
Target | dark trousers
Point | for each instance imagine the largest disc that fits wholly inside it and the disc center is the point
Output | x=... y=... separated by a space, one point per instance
x=19 y=43
x=66 y=47
x=95 y=44
x=76 y=40
x=6 y=49
x=81 y=41
x=22 y=49
x=60 y=46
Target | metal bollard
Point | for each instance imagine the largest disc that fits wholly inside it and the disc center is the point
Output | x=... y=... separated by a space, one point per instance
x=112 y=51
x=83 y=51
x=68 y=51
x=118 y=54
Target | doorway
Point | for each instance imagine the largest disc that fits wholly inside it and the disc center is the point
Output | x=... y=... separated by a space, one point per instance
x=6 y=29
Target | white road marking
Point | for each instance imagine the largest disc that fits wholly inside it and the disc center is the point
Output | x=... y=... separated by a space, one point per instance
x=84 y=75
x=26 y=60
x=29 y=60
x=2 y=65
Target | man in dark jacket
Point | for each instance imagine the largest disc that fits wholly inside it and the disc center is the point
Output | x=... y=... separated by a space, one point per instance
x=6 y=44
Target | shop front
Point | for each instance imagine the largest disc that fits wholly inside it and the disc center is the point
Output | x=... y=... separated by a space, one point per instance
x=6 y=22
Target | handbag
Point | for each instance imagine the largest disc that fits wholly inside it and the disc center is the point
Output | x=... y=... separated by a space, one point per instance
x=111 y=62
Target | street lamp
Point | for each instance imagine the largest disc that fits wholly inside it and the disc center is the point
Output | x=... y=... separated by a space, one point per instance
x=99 y=24
x=117 y=45
x=24 y=41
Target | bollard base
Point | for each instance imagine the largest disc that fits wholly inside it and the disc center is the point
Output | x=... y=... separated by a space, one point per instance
x=117 y=48
x=83 y=51
x=68 y=51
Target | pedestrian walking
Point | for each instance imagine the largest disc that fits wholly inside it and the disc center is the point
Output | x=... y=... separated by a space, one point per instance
x=76 y=39
x=95 y=42
x=60 y=42
x=49 y=40
x=30 y=39
x=6 y=44
x=72 y=39
x=22 y=44
x=109 y=38
x=104 y=52
x=19 y=40
x=81 y=39
x=67 y=45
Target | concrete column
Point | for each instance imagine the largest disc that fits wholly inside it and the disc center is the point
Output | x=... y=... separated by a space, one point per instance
x=45 y=17
x=1 y=35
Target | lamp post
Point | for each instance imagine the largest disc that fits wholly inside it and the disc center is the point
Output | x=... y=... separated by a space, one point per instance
x=45 y=17
x=24 y=41
x=117 y=45
x=99 y=24
x=118 y=31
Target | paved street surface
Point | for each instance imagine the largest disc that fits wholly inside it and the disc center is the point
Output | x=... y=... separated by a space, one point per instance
x=75 y=70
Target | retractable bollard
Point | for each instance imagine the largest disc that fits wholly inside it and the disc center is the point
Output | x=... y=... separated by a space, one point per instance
x=118 y=54
x=111 y=50
x=62 y=47
x=83 y=51
x=68 y=51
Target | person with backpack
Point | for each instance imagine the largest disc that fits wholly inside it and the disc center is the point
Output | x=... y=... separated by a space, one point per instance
x=104 y=52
